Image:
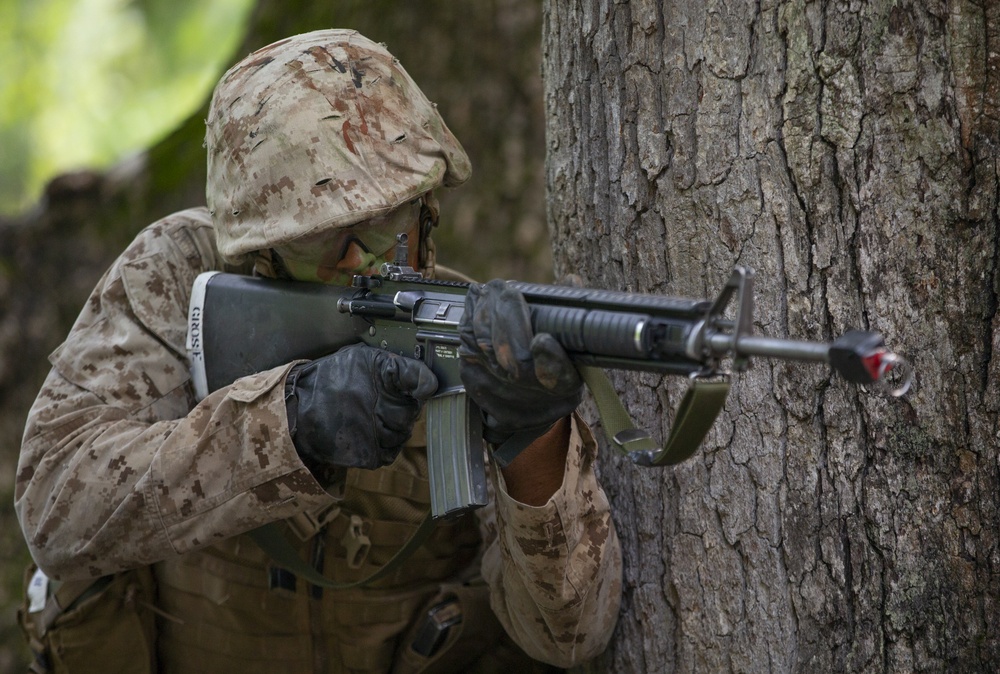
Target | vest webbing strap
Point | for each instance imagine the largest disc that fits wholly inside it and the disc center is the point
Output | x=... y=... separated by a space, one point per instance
x=698 y=410
x=64 y=595
x=272 y=540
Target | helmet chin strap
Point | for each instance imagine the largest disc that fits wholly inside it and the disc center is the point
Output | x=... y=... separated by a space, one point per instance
x=427 y=251
x=263 y=264
x=267 y=263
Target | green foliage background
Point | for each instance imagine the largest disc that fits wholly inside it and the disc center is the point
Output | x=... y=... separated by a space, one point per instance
x=85 y=82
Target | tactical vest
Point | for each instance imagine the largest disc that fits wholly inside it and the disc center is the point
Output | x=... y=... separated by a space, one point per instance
x=229 y=608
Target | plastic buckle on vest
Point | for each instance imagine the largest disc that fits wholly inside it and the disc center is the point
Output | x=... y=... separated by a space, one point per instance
x=307 y=524
x=356 y=542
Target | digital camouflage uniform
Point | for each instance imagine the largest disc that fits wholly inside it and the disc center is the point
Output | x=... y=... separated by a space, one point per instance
x=121 y=467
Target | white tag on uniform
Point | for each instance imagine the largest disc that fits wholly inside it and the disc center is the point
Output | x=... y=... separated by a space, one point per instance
x=38 y=591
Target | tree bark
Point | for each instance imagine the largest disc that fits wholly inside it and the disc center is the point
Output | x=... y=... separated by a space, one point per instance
x=848 y=151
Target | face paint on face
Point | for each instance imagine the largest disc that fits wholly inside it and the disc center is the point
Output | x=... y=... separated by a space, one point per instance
x=336 y=257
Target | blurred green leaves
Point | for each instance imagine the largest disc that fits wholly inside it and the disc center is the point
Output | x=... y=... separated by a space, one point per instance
x=84 y=83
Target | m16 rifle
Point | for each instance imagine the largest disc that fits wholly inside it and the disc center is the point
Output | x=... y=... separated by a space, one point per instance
x=241 y=325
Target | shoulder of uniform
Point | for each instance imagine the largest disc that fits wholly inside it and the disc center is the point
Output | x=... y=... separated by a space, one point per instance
x=187 y=234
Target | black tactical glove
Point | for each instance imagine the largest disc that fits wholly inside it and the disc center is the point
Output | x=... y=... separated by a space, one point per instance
x=355 y=407
x=523 y=382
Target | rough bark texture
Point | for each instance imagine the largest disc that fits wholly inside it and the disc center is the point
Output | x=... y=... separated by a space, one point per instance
x=848 y=151
x=482 y=68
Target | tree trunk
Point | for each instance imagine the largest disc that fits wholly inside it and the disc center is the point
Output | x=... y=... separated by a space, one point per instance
x=848 y=151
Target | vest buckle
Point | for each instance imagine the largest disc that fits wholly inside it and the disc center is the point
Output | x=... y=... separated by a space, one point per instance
x=307 y=524
x=356 y=542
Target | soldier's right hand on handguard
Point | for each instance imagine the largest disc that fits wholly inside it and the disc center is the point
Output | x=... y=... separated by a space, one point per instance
x=355 y=407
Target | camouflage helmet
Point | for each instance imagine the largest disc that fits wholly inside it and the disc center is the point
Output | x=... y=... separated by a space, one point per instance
x=316 y=132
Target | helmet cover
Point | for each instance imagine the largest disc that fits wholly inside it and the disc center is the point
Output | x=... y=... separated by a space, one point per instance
x=316 y=132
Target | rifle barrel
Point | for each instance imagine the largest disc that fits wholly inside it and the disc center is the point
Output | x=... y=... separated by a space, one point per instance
x=750 y=345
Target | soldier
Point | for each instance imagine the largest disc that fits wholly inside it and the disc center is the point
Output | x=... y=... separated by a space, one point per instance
x=135 y=497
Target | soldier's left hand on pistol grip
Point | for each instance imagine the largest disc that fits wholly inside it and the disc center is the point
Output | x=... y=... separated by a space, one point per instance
x=355 y=407
x=521 y=381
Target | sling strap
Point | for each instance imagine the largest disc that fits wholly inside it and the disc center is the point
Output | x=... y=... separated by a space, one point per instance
x=272 y=540
x=698 y=410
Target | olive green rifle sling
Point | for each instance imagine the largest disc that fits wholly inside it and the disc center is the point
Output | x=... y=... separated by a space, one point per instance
x=698 y=410
x=271 y=539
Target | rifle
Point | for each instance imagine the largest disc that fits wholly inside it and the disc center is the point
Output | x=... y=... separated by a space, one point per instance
x=240 y=325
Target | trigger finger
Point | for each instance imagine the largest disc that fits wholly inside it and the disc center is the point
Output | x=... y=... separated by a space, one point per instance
x=416 y=379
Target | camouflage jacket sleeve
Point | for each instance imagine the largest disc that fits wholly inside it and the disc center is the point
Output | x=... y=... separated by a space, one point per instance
x=118 y=466
x=555 y=570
